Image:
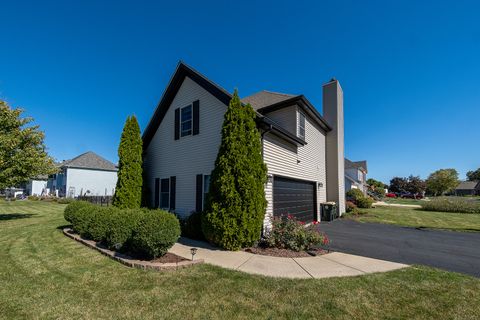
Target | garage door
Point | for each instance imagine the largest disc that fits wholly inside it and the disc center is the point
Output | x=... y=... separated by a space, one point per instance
x=294 y=197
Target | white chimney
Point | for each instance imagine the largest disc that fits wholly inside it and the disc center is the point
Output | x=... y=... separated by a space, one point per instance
x=333 y=113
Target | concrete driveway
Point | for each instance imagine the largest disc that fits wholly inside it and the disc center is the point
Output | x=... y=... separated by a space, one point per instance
x=449 y=250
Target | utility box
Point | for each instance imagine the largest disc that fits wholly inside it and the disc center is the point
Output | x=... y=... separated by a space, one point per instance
x=329 y=211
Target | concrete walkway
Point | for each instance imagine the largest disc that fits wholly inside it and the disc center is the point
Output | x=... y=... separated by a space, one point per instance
x=333 y=264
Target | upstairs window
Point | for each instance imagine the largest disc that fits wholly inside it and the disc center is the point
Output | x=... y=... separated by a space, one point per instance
x=186 y=121
x=301 y=126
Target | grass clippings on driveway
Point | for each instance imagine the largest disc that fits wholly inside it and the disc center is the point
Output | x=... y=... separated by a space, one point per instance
x=45 y=275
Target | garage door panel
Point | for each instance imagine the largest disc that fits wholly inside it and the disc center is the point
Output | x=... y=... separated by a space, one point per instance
x=294 y=197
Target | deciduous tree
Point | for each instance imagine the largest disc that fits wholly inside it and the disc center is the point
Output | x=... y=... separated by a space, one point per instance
x=441 y=181
x=23 y=154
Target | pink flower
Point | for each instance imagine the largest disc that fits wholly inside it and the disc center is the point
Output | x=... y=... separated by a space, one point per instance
x=325 y=240
x=290 y=216
x=301 y=222
x=315 y=222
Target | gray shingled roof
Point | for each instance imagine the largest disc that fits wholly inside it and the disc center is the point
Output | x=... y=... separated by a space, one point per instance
x=467 y=185
x=356 y=164
x=89 y=160
x=266 y=98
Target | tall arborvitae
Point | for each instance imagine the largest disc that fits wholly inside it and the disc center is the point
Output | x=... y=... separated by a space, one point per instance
x=236 y=204
x=128 y=193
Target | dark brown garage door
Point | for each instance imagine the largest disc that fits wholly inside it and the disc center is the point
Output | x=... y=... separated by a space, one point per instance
x=294 y=197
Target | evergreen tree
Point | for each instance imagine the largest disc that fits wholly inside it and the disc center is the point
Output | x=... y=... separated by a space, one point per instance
x=128 y=193
x=236 y=204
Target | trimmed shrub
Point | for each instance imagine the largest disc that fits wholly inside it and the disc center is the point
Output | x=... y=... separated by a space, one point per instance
x=292 y=234
x=155 y=232
x=81 y=220
x=235 y=206
x=33 y=198
x=72 y=208
x=191 y=226
x=100 y=221
x=452 y=204
x=365 y=202
x=121 y=226
x=354 y=195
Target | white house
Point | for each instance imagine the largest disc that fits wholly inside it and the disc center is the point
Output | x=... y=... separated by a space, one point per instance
x=37 y=186
x=356 y=175
x=302 y=149
x=87 y=174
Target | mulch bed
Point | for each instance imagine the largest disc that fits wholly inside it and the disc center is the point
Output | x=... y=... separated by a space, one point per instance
x=285 y=253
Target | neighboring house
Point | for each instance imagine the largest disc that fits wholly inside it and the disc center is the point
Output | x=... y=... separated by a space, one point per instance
x=468 y=188
x=356 y=175
x=37 y=186
x=86 y=174
x=302 y=149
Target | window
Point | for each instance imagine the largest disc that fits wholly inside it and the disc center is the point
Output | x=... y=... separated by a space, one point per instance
x=206 y=187
x=165 y=193
x=301 y=125
x=186 y=121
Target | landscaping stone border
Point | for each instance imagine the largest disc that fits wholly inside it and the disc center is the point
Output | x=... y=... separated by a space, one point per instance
x=128 y=261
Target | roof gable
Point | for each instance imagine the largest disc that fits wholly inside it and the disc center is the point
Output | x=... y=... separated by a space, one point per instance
x=89 y=160
x=266 y=98
x=468 y=185
x=174 y=85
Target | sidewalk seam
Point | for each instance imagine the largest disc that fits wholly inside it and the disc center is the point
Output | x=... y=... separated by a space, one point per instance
x=244 y=262
x=303 y=268
x=345 y=265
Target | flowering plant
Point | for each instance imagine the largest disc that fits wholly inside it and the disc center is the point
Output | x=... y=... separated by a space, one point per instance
x=289 y=233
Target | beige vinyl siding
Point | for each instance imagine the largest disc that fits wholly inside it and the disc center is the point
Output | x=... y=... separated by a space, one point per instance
x=190 y=155
x=281 y=159
x=286 y=118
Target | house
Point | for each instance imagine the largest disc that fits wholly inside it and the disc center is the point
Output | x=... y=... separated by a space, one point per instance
x=37 y=186
x=303 y=150
x=86 y=174
x=356 y=175
x=468 y=188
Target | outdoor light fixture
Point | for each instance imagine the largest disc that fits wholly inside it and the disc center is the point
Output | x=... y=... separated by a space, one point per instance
x=320 y=185
x=193 y=251
x=270 y=178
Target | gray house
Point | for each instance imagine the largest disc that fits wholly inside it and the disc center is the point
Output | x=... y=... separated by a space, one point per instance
x=468 y=188
x=86 y=174
x=356 y=175
x=303 y=150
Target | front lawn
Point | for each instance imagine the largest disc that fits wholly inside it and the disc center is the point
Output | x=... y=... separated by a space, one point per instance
x=45 y=275
x=412 y=217
x=403 y=201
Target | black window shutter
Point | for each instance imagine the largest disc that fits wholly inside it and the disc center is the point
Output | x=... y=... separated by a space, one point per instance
x=196 y=117
x=157 y=192
x=199 y=193
x=173 y=187
x=177 y=123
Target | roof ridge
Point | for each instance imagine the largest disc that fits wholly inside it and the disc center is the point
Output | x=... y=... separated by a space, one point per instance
x=280 y=93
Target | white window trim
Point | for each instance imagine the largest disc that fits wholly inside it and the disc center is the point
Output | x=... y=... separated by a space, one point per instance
x=300 y=114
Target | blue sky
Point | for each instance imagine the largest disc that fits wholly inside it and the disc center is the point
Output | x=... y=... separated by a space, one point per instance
x=410 y=70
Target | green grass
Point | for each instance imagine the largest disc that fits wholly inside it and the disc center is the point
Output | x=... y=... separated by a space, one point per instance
x=403 y=201
x=412 y=217
x=45 y=275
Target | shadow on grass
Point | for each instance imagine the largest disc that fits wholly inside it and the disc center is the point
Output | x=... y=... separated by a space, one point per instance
x=15 y=216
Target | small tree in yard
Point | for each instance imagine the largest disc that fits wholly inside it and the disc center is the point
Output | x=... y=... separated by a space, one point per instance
x=398 y=184
x=441 y=181
x=23 y=154
x=236 y=204
x=128 y=192
x=415 y=185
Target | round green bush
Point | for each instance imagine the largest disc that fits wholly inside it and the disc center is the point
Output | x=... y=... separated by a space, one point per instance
x=121 y=226
x=100 y=222
x=81 y=220
x=155 y=232
x=72 y=208
x=354 y=194
x=364 y=202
